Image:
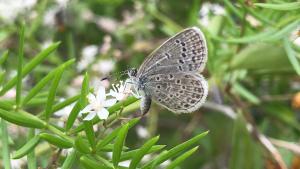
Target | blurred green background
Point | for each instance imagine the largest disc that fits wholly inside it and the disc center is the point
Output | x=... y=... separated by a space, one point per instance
x=252 y=111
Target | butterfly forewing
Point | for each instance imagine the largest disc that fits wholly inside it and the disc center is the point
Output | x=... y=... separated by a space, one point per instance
x=185 y=52
x=180 y=92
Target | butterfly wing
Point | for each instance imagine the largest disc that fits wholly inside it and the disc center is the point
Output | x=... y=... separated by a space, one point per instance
x=185 y=52
x=178 y=92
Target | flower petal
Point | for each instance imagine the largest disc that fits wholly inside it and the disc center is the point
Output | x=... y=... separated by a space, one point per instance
x=90 y=116
x=101 y=94
x=87 y=109
x=109 y=102
x=103 y=114
x=91 y=97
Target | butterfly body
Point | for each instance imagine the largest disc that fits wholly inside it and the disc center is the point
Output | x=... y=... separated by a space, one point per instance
x=170 y=75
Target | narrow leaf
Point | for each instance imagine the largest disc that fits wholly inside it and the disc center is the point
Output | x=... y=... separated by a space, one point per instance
x=130 y=154
x=5 y=145
x=31 y=159
x=174 y=151
x=114 y=134
x=283 y=32
x=3 y=57
x=89 y=131
x=291 y=55
x=42 y=83
x=142 y=151
x=181 y=158
x=56 y=140
x=22 y=119
x=82 y=145
x=65 y=103
x=90 y=163
x=80 y=104
x=30 y=66
x=120 y=140
x=20 y=66
x=52 y=93
x=70 y=160
x=281 y=6
x=245 y=93
x=28 y=147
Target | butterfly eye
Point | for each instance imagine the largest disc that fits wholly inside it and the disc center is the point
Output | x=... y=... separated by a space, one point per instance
x=133 y=72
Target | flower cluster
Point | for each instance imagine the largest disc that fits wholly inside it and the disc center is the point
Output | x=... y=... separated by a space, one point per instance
x=98 y=102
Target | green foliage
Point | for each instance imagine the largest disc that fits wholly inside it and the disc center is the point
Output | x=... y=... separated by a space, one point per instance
x=253 y=69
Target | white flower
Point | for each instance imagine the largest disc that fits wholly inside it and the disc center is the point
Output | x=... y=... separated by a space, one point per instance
x=142 y=132
x=9 y=9
x=121 y=91
x=208 y=8
x=295 y=36
x=104 y=66
x=97 y=105
x=88 y=56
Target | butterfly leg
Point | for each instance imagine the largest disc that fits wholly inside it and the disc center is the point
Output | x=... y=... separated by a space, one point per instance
x=135 y=93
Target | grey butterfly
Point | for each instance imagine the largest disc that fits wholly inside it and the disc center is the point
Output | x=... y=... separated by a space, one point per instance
x=170 y=74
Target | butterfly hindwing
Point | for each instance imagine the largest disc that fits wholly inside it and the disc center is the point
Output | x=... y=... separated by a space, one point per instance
x=179 y=92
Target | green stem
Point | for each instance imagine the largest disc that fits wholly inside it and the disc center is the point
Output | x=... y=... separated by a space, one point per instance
x=20 y=67
x=5 y=146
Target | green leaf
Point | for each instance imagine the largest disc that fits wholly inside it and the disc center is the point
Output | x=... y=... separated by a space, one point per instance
x=246 y=39
x=291 y=55
x=42 y=83
x=5 y=145
x=20 y=66
x=22 y=119
x=90 y=163
x=73 y=115
x=174 y=151
x=112 y=135
x=34 y=25
x=245 y=152
x=80 y=104
x=31 y=158
x=89 y=131
x=255 y=58
x=69 y=161
x=110 y=147
x=6 y=105
x=282 y=6
x=181 y=158
x=282 y=33
x=130 y=154
x=120 y=141
x=65 y=103
x=28 y=147
x=232 y=8
x=30 y=66
x=82 y=145
x=242 y=91
x=56 y=140
x=2 y=76
x=52 y=93
x=4 y=56
x=142 y=151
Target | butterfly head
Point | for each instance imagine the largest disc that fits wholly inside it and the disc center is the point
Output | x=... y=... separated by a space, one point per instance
x=132 y=72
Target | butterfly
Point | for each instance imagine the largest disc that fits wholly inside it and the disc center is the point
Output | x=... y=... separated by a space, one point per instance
x=170 y=74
